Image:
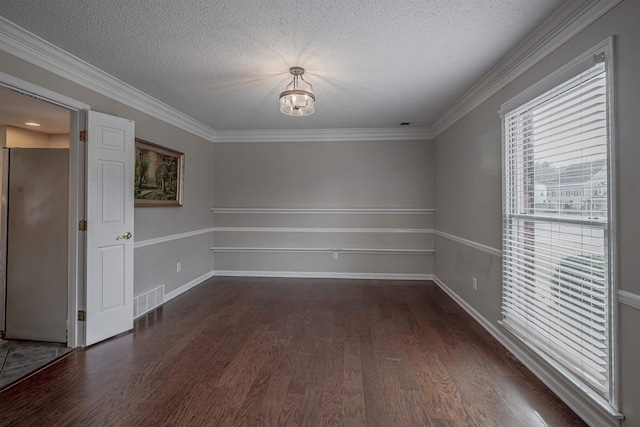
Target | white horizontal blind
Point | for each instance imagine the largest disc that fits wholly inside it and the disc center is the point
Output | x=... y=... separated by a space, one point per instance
x=556 y=290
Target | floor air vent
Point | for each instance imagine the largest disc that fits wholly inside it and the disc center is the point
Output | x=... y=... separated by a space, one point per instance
x=147 y=301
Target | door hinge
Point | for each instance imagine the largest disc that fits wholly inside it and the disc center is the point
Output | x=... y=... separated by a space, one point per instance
x=82 y=316
x=83 y=135
x=82 y=225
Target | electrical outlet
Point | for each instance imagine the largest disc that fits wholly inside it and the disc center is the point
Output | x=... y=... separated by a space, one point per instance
x=475 y=284
x=179 y=267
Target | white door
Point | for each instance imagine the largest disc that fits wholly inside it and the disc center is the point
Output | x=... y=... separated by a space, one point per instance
x=38 y=234
x=110 y=170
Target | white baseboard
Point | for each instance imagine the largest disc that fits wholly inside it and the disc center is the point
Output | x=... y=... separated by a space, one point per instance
x=592 y=415
x=323 y=275
x=184 y=288
x=294 y=274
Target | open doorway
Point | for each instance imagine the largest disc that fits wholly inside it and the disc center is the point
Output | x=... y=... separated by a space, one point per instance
x=100 y=217
x=34 y=234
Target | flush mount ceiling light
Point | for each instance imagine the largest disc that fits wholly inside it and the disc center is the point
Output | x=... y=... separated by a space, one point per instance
x=297 y=101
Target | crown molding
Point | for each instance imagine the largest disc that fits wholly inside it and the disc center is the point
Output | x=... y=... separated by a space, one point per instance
x=27 y=46
x=324 y=135
x=555 y=31
x=564 y=24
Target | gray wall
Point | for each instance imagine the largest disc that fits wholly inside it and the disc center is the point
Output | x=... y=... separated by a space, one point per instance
x=151 y=223
x=458 y=174
x=468 y=189
x=325 y=175
x=374 y=174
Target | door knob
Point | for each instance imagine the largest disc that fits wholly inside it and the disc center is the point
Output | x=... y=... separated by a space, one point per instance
x=125 y=236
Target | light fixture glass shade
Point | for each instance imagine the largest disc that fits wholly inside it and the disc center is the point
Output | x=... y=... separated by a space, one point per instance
x=296 y=100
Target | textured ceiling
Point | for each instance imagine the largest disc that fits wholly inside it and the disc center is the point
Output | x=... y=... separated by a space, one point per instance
x=373 y=63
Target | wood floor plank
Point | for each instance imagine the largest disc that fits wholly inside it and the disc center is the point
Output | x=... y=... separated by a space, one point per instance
x=301 y=385
x=271 y=352
x=268 y=412
x=258 y=390
x=353 y=394
x=332 y=393
x=393 y=398
x=439 y=393
x=372 y=385
x=316 y=367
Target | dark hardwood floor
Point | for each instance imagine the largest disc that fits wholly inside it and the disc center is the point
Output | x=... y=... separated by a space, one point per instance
x=238 y=351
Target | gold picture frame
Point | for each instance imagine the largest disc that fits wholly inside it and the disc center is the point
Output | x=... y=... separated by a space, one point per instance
x=159 y=175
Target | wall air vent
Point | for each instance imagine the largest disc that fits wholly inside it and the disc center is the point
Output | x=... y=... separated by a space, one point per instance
x=147 y=301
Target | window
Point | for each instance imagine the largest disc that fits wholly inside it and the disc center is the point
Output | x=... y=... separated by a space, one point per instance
x=558 y=284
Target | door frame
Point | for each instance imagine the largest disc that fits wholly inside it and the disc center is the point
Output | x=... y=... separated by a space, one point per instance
x=77 y=207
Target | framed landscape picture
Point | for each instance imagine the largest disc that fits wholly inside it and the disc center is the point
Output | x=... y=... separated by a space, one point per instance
x=159 y=175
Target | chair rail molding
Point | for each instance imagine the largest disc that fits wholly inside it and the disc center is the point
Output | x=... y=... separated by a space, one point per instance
x=163 y=239
x=629 y=298
x=387 y=251
x=322 y=230
x=327 y=211
x=470 y=243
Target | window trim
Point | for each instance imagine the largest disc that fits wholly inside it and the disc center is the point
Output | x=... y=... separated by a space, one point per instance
x=571 y=69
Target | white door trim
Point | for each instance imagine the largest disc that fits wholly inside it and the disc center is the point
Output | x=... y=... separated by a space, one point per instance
x=41 y=92
x=76 y=197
